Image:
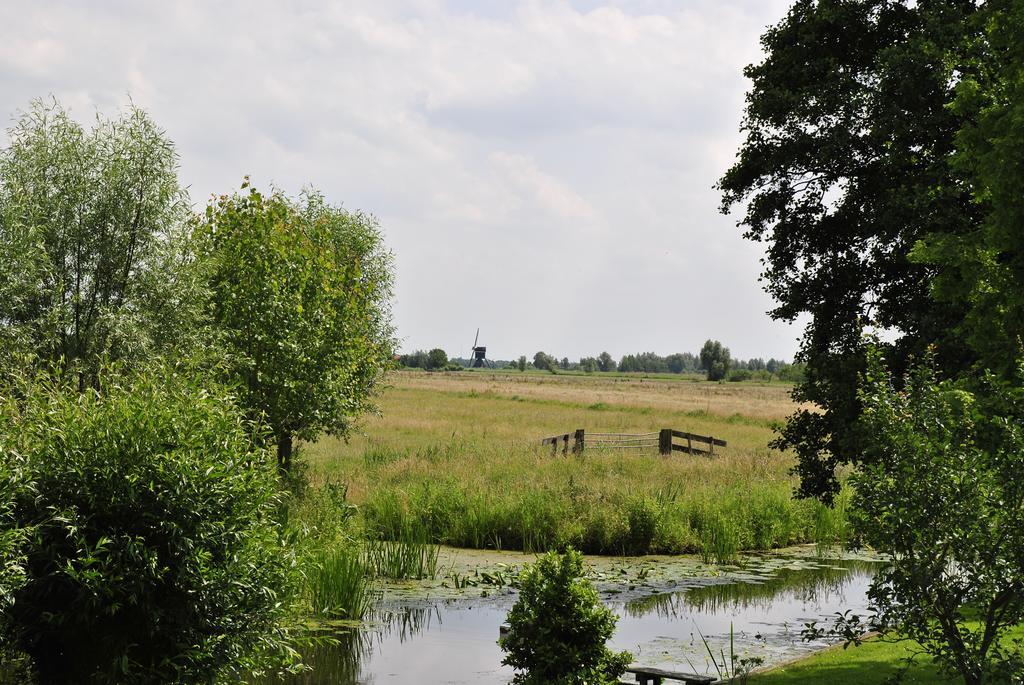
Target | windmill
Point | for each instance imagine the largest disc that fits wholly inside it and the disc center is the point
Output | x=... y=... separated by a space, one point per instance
x=479 y=354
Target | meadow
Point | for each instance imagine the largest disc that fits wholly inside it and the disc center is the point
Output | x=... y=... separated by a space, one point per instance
x=454 y=458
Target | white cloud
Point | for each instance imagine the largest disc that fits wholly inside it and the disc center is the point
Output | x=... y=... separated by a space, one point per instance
x=532 y=164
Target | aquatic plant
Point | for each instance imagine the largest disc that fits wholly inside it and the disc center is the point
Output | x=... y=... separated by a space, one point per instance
x=409 y=556
x=735 y=668
x=337 y=584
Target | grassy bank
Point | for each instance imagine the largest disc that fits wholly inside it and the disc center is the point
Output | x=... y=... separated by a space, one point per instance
x=872 y=662
x=454 y=459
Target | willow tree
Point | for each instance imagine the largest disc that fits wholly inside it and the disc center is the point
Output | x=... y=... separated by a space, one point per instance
x=92 y=251
x=299 y=298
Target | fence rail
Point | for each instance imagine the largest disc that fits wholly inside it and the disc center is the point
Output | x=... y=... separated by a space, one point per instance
x=664 y=440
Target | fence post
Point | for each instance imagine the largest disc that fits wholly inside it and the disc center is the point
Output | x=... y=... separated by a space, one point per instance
x=565 y=446
x=578 y=443
x=665 y=441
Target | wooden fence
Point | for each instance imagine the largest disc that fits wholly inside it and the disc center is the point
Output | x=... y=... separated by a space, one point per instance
x=664 y=440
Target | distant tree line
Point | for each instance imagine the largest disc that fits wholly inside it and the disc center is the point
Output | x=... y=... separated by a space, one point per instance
x=714 y=360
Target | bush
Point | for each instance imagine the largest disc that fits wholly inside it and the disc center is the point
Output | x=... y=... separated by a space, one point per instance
x=558 y=628
x=12 y=537
x=740 y=375
x=153 y=554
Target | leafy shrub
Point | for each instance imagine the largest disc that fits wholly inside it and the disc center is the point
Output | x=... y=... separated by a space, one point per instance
x=12 y=537
x=153 y=553
x=558 y=627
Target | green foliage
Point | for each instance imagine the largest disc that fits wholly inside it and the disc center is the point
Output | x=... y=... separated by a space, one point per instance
x=982 y=271
x=682 y=362
x=521 y=363
x=300 y=295
x=941 y=494
x=414 y=360
x=605 y=362
x=715 y=360
x=14 y=484
x=436 y=359
x=323 y=533
x=648 y=362
x=544 y=361
x=93 y=256
x=153 y=552
x=558 y=627
x=845 y=166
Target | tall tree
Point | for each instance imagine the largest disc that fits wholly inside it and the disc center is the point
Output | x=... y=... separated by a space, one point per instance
x=715 y=359
x=300 y=293
x=982 y=271
x=543 y=360
x=92 y=251
x=605 y=362
x=844 y=168
x=437 y=359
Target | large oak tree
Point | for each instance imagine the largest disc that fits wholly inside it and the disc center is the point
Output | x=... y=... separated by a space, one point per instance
x=845 y=166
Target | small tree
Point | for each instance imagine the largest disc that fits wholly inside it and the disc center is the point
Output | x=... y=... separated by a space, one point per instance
x=521 y=363
x=941 y=494
x=714 y=358
x=544 y=361
x=605 y=362
x=436 y=359
x=558 y=627
x=300 y=294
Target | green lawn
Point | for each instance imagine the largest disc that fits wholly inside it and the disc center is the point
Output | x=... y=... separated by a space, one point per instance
x=869 y=664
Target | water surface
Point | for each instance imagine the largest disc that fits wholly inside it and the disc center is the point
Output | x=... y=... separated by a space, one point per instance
x=672 y=611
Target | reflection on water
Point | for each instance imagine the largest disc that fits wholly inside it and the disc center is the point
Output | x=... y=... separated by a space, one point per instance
x=455 y=641
x=825 y=584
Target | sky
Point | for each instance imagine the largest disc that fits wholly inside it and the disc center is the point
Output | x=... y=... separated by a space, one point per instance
x=541 y=170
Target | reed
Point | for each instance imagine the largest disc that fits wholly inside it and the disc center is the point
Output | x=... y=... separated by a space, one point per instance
x=407 y=555
x=338 y=586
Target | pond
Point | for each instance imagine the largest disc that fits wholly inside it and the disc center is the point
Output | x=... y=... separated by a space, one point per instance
x=672 y=612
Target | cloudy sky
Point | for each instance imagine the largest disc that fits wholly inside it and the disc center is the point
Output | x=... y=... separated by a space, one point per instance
x=542 y=170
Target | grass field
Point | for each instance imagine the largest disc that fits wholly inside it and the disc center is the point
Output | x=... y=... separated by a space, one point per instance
x=454 y=458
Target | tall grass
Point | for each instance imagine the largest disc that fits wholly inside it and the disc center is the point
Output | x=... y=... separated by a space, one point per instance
x=714 y=522
x=402 y=559
x=337 y=584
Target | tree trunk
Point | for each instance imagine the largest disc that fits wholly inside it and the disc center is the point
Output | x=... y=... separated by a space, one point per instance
x=284 y=451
